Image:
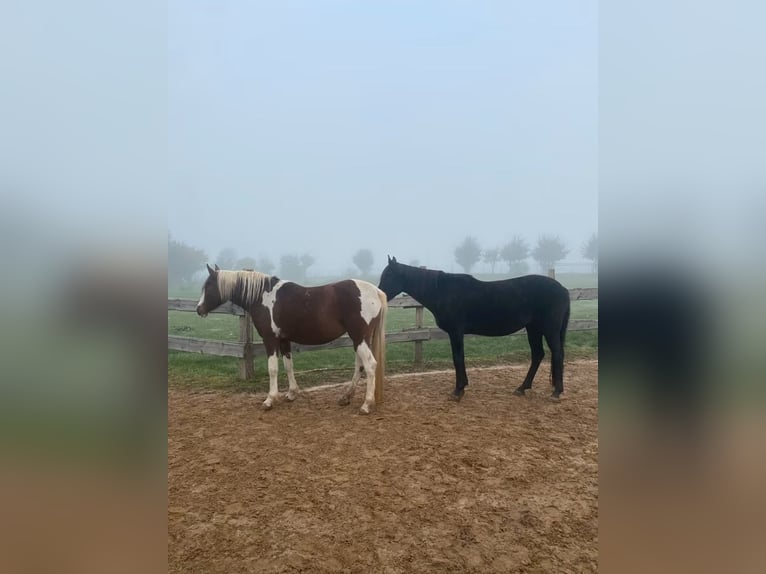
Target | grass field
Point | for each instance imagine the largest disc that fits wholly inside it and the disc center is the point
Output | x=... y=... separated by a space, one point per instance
x=336 y=365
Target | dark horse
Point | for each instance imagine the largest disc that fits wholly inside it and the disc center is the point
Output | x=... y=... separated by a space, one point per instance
x=285 y=312
x=463 y=305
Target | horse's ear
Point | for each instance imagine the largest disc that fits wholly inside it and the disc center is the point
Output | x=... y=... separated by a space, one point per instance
x=217 y=268
x=393 y=259
x=210 y=270
x=389 y=258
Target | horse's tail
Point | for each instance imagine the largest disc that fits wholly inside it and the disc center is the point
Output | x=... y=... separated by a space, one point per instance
x=379 y=347
x=564 y=326
x=562 y=337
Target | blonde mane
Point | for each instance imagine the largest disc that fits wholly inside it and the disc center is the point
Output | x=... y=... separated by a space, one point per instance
x=243 y=288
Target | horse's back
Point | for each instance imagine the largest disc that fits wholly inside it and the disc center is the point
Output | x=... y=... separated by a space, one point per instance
x=322 y=313
x=526 y=289
x=306 y=315
x=540 y=288
x=330 y=295
x=497 y=308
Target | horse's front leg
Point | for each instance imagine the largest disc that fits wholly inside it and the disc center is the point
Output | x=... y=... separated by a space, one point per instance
x=458 y=358
x=294 y=390
x=273 y=362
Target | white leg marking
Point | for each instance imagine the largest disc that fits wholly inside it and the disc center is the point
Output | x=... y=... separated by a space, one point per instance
x=369 y=362
x=273 y=373
x=294 y=389
x=368 y=294
x=269 y=300
x=351 y=388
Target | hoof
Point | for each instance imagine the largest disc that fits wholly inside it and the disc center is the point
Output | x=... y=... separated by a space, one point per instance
x=344 y=401
x=456 y=396
x=519 y=392
x=555 y=396
x=364 y=409
x=266 y=406
x=291 y=397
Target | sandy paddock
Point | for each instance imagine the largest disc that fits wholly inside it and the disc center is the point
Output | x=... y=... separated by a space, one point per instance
x=495 y=483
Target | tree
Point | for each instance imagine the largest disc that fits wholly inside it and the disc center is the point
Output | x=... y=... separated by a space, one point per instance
x=246 y=263
x=492 y=256
x=515 y=254
x=227 y=258
x=289 y=267
x=363 y=259
x=183 y=262
x=590 y=251
x=294 y=267
x=306 y=262
x=468 y=253
x=548 y=251
x=266 y=265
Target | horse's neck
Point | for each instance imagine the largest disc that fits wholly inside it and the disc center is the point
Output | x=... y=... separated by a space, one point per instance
x=420 y=288
x=238 y=300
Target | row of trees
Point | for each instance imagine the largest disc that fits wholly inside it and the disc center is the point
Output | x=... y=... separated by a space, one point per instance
x=547 y=252
x=185 y=261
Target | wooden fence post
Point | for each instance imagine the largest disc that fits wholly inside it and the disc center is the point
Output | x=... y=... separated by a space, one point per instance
x=552 y=273
x=246 y=368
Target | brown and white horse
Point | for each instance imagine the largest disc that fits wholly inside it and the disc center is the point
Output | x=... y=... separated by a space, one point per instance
x=284 y=312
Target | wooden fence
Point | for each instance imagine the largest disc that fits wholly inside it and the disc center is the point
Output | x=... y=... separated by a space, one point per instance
x=246 y=349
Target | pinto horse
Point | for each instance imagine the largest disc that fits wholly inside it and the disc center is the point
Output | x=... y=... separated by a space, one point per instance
x=464 y=305
x=284 y=312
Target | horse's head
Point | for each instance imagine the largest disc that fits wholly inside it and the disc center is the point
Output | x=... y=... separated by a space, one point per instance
x=391 y=281
x=211 y=293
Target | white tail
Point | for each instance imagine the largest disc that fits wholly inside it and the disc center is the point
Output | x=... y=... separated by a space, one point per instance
x=379 y=347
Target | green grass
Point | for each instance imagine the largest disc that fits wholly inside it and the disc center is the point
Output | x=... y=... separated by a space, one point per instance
x=222 y=327
x=191 y=370
x=197 y=371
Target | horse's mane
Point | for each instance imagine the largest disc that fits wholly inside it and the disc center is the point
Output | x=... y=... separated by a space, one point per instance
x=422 y=279
x=243 y=287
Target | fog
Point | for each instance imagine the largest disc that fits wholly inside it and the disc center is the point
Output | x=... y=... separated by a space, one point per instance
x=324 y=128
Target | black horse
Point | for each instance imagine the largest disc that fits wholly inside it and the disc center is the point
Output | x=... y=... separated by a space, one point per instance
x=464 y=305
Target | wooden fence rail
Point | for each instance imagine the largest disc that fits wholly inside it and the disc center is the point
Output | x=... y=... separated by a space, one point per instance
x=246 y=350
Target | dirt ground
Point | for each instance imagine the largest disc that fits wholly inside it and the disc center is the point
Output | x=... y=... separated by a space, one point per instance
x=495 y=483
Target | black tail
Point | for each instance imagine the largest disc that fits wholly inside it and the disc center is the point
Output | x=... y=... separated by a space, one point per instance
x=562 y=338
x=564 y=326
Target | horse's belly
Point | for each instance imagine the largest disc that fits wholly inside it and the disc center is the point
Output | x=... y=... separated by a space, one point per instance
x=314 y=336
x=493 y=329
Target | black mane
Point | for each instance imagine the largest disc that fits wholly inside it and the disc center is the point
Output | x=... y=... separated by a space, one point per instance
x=422 y=279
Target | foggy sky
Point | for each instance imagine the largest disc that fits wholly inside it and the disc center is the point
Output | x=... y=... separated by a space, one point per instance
x=325 y=127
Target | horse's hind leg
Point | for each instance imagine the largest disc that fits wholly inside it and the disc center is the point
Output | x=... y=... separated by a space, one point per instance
x=557 y=362
x=293 y=389
x=364 y=353
x=351 y=388
x=535 y=338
